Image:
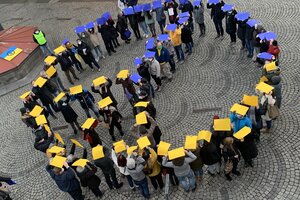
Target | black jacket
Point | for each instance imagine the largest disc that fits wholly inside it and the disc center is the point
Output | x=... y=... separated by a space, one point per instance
x=187 y=8
x=216 y=10
x=88 y=177
x=186 y=34
x=231 y=22
x=106 y=92
x=67 y=111
x=248 y=147
x=249 y=32
x=64 y=61
x=105 y=163
x=241 y=32
x=209 y=154
x=105 y=32
x=143 y=71
x=39 y=135
x=228 y=154
x=87 y=58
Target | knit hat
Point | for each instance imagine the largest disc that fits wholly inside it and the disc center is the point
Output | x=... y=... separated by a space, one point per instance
x=130 y=163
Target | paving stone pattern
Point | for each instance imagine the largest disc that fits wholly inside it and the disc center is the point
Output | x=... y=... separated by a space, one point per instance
x=211 y=80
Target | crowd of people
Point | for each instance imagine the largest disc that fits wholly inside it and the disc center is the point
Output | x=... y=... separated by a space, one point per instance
x=221 y=147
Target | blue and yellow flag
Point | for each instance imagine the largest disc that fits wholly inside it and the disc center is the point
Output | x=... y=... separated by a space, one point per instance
x=11 y=53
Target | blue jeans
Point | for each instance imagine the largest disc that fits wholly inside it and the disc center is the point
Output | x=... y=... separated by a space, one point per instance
x=249 y=47
x=143 y=186
x=187 y=182
x=130 y=181
x=143 y=26
x=179 y=52
x=46 y=47
x=162 y=25
x=198 y=172
x=189 y=47
x=93 y=108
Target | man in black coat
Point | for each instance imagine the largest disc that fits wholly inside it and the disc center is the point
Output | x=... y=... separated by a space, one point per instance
x=133 y=21
x=217 y=15
x=241 y=32
x=231 y=25
x=107 y=37
x=68 y=113
x=107 y=167
x=248 y=40
x=67 y=66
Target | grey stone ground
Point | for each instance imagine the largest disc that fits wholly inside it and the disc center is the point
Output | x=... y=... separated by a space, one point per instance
x=212 y=79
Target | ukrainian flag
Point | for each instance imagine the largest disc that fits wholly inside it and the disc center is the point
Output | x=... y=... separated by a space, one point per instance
x=11 y=53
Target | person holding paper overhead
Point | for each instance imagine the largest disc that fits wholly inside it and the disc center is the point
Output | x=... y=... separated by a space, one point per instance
x=160 y=18
x=217 y=16
x=183 y=170
x=238 y=121
x=122 y=27
x=171 y=7
x=199 y=18
x=85 y=52
x=231 y=25
x=107 y=166
x=73 y=53
x=211 y=157
x=94 y=36
x=105 y=31
x=66 y=180
x=67 y=66
x=149 y=19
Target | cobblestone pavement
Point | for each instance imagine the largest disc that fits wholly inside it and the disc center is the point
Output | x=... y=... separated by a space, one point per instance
x=214 y=77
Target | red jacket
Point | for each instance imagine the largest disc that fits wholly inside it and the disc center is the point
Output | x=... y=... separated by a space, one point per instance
x=274 y=50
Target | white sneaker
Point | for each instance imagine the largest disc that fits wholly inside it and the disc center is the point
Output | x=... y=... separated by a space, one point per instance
x=97 y=59
x=99 y=70
x=93 y=69
x=146 y=36
x=103 y=56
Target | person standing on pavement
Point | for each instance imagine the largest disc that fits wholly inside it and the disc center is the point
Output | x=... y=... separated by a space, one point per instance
x=94 y=36
x=231 y=25
x=88 y=178
x=55 y=77
x=149 y=20
x=186 y=38
x=135 y=165
x=162 y=55
x=133 y=21
x=241 y=32
x=168 y=44
x=66 y=180
x=171 y=7
x=87 y=101
x=66 y=66
x=73 y=53
x=40 y=38
x=217 y=16
x=199 y=18
x=142 y=23
x=107 y=37
x=85 y=52
x=85 y=37
x=211 y=157
x=114 y=32
x=183 y=170
x=248 y=40
x=109 y=172
x=104 y=91
x=122 y=27
x=230 y=154
x=68 y=113
x=160 y=18
x=176 y=39
x=129 y=89
x=155 y=71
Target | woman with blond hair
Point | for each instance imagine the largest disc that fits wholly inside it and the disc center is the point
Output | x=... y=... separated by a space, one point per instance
x=231 y=157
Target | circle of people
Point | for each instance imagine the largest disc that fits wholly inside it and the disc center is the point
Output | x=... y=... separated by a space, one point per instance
x=230 y=138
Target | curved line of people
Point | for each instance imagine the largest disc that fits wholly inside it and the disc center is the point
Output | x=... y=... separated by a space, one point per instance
x=145 y=162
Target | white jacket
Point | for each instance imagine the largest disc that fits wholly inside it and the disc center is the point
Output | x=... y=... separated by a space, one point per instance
x=123 y=170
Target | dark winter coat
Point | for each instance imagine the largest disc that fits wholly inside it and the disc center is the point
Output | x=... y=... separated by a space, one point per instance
x=241 y=32
x=88 y=177
x=199 y=14
x=67 y=111
x=248 y=147
x=187 y=8
x=173 y=5
x=122 y=26
x=112 y=29
x=105 y=32
x=106 y=92
x=143 y=71
x=249 y=32
x=92 y=137
x=209 y=154
x=67 y=181
x=105 y=164
x=39 y=135
x=64 y=61
x=231 y=22
x=164 y=55
x=43 y=94
x=86 y=57
x=128 y=84
x=198 y=163
x=186 y=34
x=216 y=10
